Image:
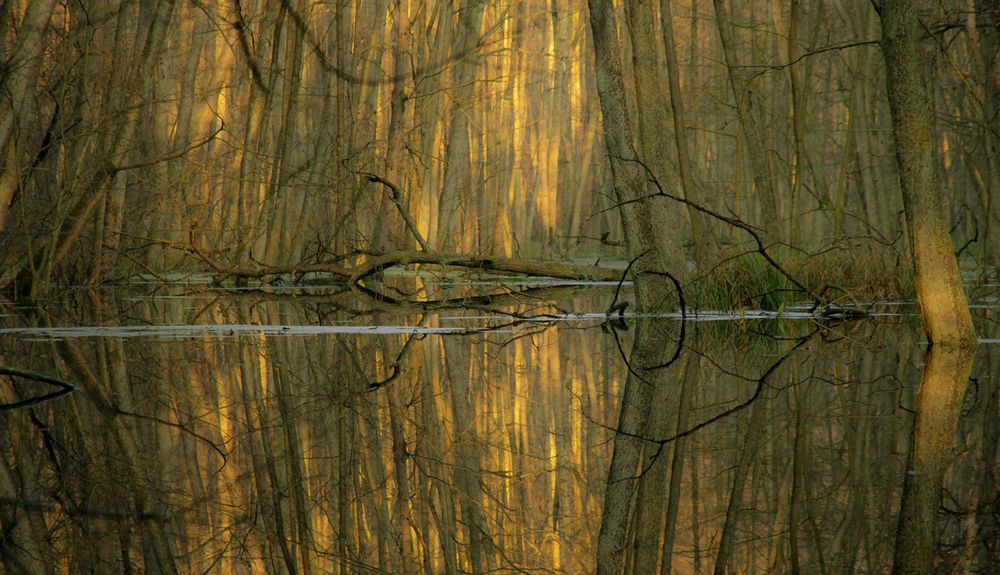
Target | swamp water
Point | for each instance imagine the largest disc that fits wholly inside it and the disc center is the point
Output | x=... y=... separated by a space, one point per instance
x=310 y=432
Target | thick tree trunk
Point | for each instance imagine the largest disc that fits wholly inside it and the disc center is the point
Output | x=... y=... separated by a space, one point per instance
x=650 y=250
x=643 y=231
x=652 y=133
x=939 y=289
x=939 y=285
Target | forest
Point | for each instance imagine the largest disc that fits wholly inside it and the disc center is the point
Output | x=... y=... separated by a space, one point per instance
x=482 y=286
x=152 y=137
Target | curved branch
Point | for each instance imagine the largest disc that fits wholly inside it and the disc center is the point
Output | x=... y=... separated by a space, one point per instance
x=397 y=200
x=735 y=222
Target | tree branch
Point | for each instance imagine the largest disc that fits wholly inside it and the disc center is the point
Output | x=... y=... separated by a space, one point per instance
x=397 y=200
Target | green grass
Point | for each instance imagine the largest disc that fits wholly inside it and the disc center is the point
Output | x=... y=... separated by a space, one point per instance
x=842 y=275
x=746 y=281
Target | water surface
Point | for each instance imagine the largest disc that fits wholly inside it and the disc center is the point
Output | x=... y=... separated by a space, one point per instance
x=213 y=432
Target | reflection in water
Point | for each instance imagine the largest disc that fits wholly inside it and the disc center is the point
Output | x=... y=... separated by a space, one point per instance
x=939 y=403
x=431 y=450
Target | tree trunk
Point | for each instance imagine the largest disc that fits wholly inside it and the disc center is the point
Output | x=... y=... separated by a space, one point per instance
x=22 y=64
x=643 y=230
x=685 y=166
x=652 y=127
x=939 y=285
x=739 y=80
x=651 y=253
x=456 y=171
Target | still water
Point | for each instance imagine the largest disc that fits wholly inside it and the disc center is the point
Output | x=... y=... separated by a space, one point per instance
x=303 y=431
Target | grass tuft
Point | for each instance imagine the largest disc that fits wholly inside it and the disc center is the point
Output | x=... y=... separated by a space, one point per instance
x=845 y=274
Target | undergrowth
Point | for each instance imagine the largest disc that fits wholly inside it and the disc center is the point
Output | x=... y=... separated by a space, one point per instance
x=842 y=275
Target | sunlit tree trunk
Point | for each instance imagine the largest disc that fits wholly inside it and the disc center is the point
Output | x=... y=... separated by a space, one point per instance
x=22 y=64
x=685 y=165
x=457 y=175
x=939 y=285
x=739 y=80
x=394 y=169
x=283 y=196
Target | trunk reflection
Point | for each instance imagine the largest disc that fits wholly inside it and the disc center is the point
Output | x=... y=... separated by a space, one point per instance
x=939 y=404
x=451 y=446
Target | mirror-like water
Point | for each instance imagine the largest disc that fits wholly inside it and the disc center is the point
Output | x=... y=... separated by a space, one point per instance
x=213 y=433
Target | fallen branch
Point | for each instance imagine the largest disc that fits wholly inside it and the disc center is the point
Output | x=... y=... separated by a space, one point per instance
x=377 y=264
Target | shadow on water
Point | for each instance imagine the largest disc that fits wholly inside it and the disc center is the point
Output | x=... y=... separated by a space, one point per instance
x=201 y=431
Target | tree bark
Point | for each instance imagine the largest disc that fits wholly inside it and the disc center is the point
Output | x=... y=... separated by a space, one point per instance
x=17 y=86
x=739 y=81
x=939 y=286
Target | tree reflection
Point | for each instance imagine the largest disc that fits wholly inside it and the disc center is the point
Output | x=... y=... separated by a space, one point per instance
x=485 y=448
x=939 y=403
